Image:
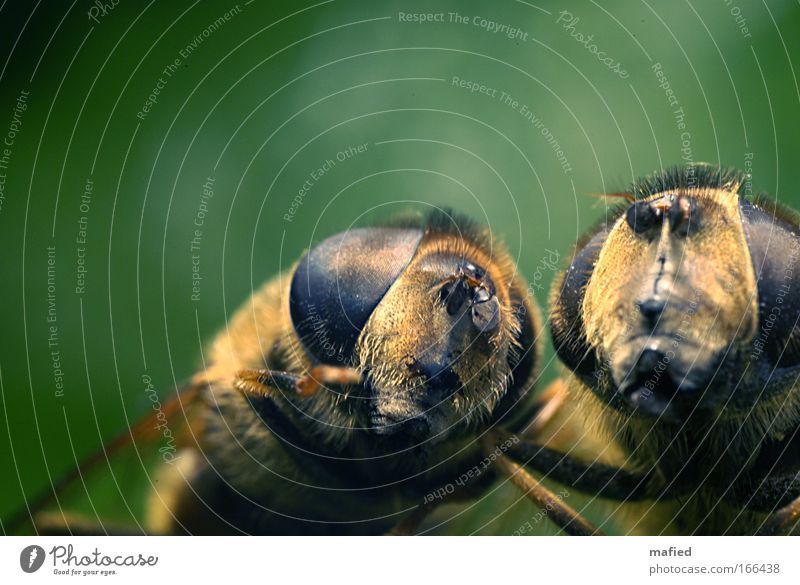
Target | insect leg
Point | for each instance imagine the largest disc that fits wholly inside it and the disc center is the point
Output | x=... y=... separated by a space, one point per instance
x=546 y=407
x=262 y=382
x=560 y=513
x=605 y=481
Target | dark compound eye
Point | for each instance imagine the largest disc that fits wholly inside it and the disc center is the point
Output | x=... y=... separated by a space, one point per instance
x=643 y=216
x=338 y=284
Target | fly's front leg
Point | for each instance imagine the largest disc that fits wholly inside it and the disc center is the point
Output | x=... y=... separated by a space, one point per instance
x=559 y=512
x=605 y=481
x=261 y=383
x=547 y=406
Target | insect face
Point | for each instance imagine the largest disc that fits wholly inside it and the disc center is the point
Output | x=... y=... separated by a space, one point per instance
x=672 y=293
x=435 y=319
x=437 y=347
x=678 y=318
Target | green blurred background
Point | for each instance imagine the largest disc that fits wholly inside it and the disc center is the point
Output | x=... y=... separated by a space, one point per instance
x=258 y=102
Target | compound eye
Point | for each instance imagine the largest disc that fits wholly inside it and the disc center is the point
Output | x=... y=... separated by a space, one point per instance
x=643 y=216
x=338 y=284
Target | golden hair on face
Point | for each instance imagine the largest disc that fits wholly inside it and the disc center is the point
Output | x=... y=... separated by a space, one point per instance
x=667 y=322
